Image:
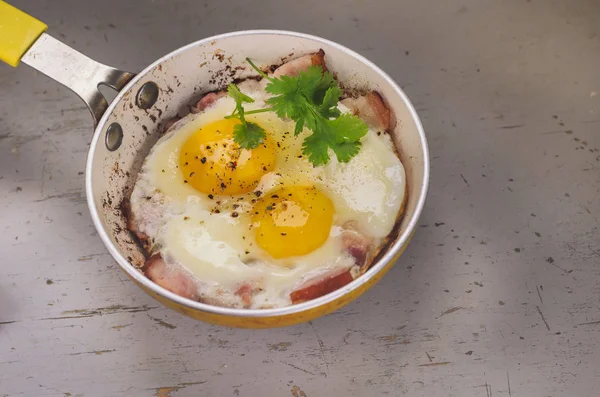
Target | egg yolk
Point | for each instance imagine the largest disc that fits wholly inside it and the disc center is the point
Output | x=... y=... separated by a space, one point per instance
x=212 y=163
x=292 y=221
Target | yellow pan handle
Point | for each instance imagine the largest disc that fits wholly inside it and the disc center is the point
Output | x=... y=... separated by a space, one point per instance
x=18 y=32
x=22 y=39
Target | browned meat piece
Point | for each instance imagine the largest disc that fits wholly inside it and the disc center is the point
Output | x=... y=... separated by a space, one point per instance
x=170 y=123
x=322 y=285
x=295 y=66
x=371 y=109
x=207 y=101
x=132 y=226
x=245 y=292
x=171 y=278
x=356 y=243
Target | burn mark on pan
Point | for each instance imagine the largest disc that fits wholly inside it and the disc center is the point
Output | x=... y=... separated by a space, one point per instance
x=224 y=76
x=219 y=54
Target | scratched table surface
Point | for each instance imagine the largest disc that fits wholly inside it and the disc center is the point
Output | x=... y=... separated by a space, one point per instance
x=497 y=295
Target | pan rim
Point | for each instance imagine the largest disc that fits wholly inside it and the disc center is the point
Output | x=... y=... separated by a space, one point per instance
x=391 y=252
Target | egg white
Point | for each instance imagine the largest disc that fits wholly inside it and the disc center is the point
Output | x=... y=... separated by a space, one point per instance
x=219 y=250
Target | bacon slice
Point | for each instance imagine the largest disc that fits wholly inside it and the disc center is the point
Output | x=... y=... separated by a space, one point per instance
x=170 y=123
x=295 y=66
x=321 y=285
x=207 y=101
x=132 y=226
x=371 y=109
x=245 y=293
x=171 y=278
x=356 y=243
x=358 y=246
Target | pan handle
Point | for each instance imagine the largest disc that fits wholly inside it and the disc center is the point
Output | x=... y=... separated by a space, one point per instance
x=22 y=38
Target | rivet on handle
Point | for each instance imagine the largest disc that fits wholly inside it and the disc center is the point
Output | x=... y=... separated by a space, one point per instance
x=114 y=136
x=147 y=95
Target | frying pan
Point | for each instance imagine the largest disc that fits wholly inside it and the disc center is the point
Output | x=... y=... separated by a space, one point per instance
x=126 y=129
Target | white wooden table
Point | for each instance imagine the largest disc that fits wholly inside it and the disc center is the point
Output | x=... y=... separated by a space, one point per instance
x=498 y=294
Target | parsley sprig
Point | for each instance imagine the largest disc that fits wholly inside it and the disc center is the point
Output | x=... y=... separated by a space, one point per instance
x=246 y=134
x=310 y=100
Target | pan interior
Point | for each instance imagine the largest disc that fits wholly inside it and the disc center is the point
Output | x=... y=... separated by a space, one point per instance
x=182 y=77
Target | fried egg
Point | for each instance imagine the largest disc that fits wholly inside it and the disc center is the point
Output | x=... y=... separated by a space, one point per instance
x=265 y=217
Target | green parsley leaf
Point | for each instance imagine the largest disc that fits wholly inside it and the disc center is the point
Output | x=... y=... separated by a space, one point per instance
x=342 y=135
x=346 y=150
x=347 y=128
x=282 y=86
x=317 y=150
x=287 y=96
x=299 y=126
x=317 y=82
x=238 y=96
x=248 y=136
x=328 y=107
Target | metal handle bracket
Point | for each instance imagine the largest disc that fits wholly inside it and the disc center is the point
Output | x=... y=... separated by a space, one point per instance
x=76 y=71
